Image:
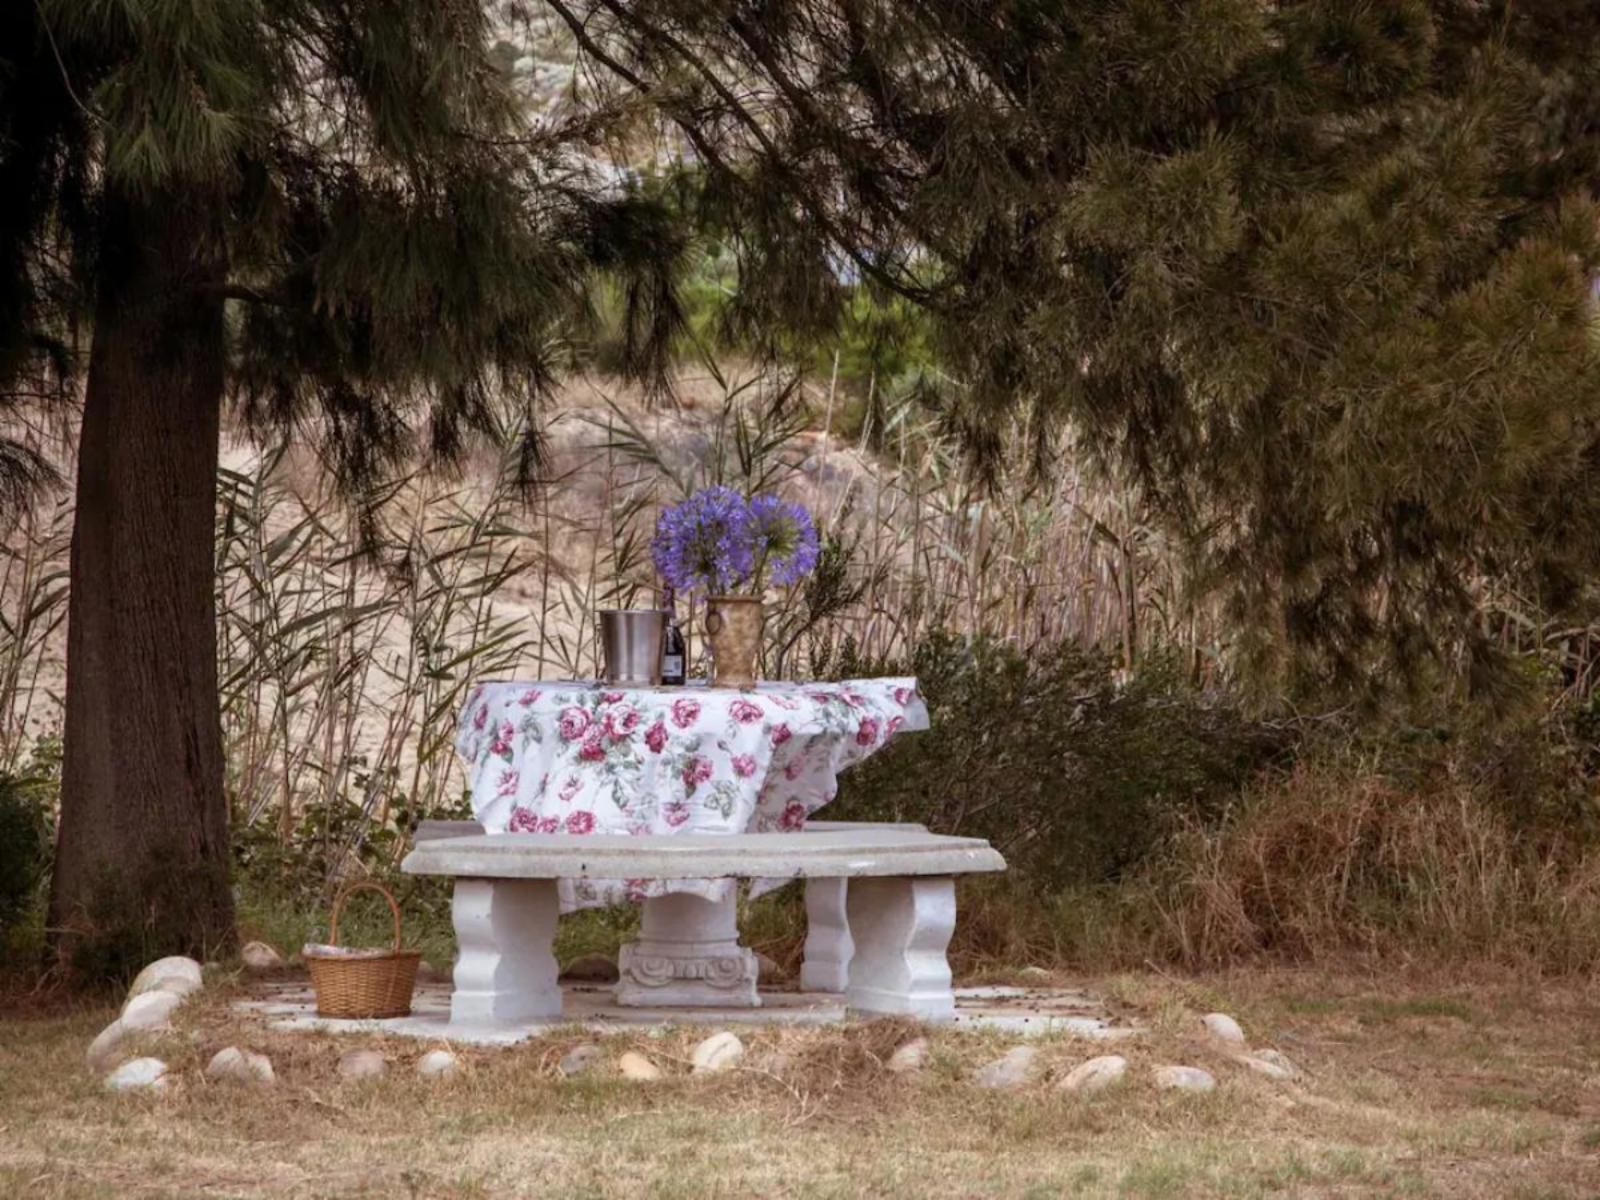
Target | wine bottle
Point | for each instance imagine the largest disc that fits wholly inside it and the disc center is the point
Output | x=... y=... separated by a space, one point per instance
x=674 y=652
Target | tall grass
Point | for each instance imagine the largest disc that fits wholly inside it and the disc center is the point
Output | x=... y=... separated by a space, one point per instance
x=33 y=612
x=920 y=541
x=1329 y=860
x=342 y=666
x=344 y=658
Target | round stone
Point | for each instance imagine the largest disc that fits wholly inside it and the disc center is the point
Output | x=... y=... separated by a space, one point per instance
x=105 y=1051
x=718 y=1052
x=1034 y=975
x=579 y=1060
x=138 y=1074
x=909 y=1056
x=362 y=1064
x=1012 y=1069
x=1184 y=1079
x=591 y=968
x=637 y=1067
x=258 y=956
x=1224 y=1028
x=150 y=1012
x=1095 y=1075
x=233 y=1065
x=438 y=1064
x=1270 y=1063
x=173 y=974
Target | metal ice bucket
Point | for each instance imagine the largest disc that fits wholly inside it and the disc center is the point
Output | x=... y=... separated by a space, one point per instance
x=630 y=645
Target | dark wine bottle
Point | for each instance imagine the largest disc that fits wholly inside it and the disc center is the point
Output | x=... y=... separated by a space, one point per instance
x=674 y=651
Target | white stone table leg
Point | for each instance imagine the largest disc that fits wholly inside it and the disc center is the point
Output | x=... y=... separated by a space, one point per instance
x=826 y=967
x=505 y=971
x=687 y=954
x=902 y=928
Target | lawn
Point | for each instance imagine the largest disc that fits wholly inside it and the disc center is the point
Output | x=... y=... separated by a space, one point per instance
x=1412 y=1087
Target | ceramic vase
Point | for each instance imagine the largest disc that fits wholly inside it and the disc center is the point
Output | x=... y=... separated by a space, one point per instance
x=733 y=631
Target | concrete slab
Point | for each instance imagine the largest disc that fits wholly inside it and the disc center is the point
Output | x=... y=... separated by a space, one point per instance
x=1022 y=1011
x=829 y=854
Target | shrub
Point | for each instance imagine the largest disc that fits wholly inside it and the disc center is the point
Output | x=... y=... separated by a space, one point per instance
x=27 y=844
x=1332 y=859
x=1071 y=767
x=285 y=889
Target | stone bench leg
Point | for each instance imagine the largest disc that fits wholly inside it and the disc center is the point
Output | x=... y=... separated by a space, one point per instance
x=687 y=954
x=826 y=967
x=902 y=929
x=505 y=972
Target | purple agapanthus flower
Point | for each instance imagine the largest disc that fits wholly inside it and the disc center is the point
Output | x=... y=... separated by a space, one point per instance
x=785 y=537
x=716 y=542
x=705 y=543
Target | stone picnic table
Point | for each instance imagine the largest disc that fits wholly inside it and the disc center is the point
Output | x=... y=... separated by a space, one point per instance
x=592 y=758
x=589 y=759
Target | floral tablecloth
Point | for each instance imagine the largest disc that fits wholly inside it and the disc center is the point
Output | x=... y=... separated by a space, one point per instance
x=585 y=757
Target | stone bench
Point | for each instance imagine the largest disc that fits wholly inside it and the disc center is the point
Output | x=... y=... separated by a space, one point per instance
x=825 y=964
x=895 y=885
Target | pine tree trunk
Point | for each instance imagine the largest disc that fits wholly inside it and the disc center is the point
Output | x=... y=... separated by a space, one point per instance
x=142 y=853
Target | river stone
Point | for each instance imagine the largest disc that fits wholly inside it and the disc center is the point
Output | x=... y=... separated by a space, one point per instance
x=105 y=1051
x=362 y=1064
x=1224 y=1028
x=1270 y=1063
x=637 y=1067
x=177 y=985
x=258 y=956
x=438 y=1064
x=234 y=1065
x=1035 y=975
x=717 y=1053
x=150 y=1012
x=158 y=974
x=909 y=1056
x=1095 y=1075
x=138 y=1074
x=591 y=968
x=1184 y=1079
x=579 y=1060
x=1012 y=1069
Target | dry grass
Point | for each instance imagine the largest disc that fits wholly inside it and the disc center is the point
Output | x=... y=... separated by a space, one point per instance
x=1486 y=1089
x=1325 y=862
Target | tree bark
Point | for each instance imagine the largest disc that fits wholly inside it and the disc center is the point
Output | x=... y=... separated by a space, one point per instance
x=142 y=851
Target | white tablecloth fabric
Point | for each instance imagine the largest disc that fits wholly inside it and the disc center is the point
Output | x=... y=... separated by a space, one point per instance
x=585 y=757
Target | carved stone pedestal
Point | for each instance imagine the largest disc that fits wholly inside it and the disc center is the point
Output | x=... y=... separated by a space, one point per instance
x=901 y=928
x=687 y=955
x=505 y=973
x=826 y=967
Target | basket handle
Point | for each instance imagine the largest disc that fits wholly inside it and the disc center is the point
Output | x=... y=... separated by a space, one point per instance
x=344 y=894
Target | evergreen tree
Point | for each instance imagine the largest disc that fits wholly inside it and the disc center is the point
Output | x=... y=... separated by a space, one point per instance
x=326 y=213
x=1316 y=272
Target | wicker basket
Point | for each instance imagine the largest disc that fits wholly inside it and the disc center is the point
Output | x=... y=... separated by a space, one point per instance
x=377 y=985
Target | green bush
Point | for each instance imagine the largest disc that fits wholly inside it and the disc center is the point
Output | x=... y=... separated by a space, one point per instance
x=285 y=889
x=1074 y=769
x=27 y=841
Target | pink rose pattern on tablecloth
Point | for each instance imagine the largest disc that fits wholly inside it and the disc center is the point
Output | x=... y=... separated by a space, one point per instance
x=577 y=758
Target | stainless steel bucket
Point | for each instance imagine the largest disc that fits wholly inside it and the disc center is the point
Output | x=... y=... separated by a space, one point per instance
x=630 y=645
